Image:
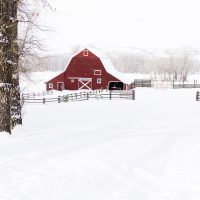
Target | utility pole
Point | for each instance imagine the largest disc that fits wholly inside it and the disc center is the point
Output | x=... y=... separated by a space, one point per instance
x=10 y=108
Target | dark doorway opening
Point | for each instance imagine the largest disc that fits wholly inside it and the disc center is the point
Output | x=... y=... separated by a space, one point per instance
x=116 y=85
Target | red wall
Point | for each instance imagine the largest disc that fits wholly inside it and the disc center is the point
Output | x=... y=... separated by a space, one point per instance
x=55 y=80
x=82 y=66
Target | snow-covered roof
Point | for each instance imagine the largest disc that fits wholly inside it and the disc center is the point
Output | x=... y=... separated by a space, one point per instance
x=109 y=67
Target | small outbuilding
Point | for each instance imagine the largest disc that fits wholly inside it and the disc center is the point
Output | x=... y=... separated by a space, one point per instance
x=87 y=69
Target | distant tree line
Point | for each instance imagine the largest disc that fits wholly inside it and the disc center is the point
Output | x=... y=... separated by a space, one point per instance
x=171 y=64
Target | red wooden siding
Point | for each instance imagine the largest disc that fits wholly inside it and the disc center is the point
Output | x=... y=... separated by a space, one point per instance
x=79 y=73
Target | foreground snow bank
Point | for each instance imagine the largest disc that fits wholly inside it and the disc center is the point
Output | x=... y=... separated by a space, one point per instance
x=110 y=150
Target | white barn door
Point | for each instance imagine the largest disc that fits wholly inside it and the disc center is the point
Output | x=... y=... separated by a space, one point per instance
x=85 y=84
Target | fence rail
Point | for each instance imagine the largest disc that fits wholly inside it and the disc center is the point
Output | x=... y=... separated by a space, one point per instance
x=164 y=84
x=141 y=83
x=41 y=100
x=120 y=95
x=179 y=85
x=36 y=94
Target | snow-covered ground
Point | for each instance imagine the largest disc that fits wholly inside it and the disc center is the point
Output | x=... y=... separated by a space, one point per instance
x=147 y=149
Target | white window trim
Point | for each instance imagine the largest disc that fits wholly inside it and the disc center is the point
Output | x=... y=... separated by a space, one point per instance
x=50 y=85
x=97 y=72
x=98 y=80
x=85 y=52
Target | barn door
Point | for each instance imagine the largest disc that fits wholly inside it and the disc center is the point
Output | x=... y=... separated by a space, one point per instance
x=60 y=86
x=85 y=84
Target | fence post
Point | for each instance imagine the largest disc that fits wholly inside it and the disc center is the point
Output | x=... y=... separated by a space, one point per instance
x=195 y=82
x=87 y=95
x=133 y=95
x=110 y=94
x=58 y=99
x=197 y=96
x=43 y=100
x=22 y=102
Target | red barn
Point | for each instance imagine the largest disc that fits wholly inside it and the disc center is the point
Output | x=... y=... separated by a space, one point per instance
x=86 y=70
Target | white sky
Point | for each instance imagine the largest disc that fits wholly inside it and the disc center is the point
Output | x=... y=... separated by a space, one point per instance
x=123 y=23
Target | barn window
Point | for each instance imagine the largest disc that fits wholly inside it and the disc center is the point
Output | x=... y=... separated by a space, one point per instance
x=85 y=52
x=50 y=85
x=72 y=80
x=98 y=80
x=97 y=72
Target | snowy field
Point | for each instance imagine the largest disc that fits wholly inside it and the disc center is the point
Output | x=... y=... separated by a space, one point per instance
x=147 y=149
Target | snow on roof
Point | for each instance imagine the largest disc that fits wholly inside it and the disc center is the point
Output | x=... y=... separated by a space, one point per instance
x=109 y=67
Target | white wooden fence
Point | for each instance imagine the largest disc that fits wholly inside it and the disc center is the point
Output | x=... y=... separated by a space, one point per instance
x=105 y=95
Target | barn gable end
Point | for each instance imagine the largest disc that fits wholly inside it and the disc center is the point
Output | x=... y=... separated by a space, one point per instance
x=85 y=70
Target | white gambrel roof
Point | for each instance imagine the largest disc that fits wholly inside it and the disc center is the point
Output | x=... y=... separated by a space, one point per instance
x=108 y=65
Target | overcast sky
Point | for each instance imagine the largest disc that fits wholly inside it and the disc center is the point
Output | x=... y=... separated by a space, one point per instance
x=123 y=23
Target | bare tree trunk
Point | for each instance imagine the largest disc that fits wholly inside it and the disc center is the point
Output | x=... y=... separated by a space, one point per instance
x=10 y=107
